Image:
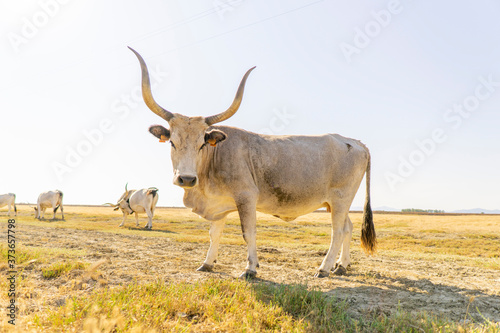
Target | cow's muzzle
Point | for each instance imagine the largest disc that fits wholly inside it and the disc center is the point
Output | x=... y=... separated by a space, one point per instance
x=186 y=181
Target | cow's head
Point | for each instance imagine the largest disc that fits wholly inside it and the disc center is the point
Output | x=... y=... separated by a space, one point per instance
x=188 y=136
x=123 y=202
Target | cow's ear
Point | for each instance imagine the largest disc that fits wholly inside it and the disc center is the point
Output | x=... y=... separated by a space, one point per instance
x=160 y=132
x=214 y=137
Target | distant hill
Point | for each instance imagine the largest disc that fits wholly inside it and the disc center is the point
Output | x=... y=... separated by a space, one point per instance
x=461 y=211
x=386 y=209
x=477 y=211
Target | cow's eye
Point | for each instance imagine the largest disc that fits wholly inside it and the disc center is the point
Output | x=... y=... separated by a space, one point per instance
x=172 y=144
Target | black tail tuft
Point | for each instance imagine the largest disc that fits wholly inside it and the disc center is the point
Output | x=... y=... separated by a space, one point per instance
x=368 y=236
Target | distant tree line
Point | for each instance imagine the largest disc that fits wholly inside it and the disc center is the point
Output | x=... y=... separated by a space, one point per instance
x=415 y=210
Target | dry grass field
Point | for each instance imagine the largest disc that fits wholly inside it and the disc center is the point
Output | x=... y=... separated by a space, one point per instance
x=431 y=273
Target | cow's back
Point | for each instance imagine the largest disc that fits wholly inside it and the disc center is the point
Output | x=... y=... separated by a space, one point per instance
x=50 y=199
x=292 y=175
x=6 y=199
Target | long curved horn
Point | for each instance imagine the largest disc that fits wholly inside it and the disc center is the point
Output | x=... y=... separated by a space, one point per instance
x=146 y=91
x=234 y=107
x=109 y=204
x=126 y=187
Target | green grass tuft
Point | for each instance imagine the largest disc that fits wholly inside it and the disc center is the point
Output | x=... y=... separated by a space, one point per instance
x=59 y=268
x=226 y=305
x=230 y=306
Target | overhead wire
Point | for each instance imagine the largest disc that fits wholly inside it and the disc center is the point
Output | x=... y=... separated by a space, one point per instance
x=177 y=24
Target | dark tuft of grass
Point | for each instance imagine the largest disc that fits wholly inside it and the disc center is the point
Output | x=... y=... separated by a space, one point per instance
x=59 y=268
x=320 y=312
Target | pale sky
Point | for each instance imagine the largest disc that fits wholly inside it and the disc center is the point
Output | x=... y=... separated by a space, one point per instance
x=417 y=82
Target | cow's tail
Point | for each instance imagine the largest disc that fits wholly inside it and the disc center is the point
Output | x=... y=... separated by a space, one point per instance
x=368 y=236
x=153 y=191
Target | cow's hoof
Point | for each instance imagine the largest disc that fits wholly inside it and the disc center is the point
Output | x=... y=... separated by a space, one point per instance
x=248 y=275
x=340 y=270
x=205 y=268
x=321 y=274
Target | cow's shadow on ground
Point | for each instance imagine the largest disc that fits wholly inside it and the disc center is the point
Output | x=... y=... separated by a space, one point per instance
x=152 y=230
x=387 y=295
x=50 y=220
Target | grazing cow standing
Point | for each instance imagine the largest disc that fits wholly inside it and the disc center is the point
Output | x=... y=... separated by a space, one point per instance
x=224 y=169
x=46 y=200
x=138 y=201
x=8 y=199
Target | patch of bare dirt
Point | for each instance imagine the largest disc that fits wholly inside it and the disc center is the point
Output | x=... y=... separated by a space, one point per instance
x=372 y=283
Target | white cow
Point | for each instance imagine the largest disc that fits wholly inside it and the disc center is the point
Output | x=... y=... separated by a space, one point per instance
x=49 y=199
x=8 y=199
x=138 y=201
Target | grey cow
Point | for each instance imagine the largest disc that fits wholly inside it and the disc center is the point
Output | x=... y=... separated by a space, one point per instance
x=138 y=201
x=49 y=199
x=8 y=199
x=223 y=169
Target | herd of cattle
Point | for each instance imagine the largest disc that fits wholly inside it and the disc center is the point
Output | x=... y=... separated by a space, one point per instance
x=131 y=201
x=224 y=169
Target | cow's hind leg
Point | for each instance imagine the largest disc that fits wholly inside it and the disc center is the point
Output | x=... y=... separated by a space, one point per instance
x=55 y=210
x=339 y=220
x=215 y=234
x=136 y=219
x=149 y=225
x=345 y=258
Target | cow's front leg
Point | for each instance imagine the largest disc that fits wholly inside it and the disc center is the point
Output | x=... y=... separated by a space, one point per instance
x=216 y=229
x=136 y=219
x=248 y=219
x=339 y=219
x=124 y=217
